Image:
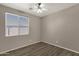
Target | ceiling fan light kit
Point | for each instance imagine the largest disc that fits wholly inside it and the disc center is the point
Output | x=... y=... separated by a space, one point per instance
x=38 y=8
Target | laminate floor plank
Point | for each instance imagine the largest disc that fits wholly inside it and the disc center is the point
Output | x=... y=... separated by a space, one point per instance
x=40 y=49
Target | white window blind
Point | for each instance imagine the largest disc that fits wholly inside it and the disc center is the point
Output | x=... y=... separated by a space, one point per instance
x=16 y=25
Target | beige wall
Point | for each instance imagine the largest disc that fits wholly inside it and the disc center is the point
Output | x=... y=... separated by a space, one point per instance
x=62 y=28
x=8 y=43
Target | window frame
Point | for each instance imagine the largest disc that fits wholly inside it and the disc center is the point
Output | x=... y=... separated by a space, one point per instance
x=6 y=13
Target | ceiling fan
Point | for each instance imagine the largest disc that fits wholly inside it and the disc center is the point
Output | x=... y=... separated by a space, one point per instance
x=38 y=8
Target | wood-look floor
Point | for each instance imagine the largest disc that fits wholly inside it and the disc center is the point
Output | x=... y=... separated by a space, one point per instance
x=40 y=49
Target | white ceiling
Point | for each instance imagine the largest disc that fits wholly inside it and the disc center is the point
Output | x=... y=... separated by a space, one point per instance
x=52 y=7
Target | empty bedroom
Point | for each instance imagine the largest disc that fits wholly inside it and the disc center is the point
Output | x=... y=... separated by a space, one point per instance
x=39 y=29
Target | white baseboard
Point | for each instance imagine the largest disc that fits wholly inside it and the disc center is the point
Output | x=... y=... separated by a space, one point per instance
x=62 y=47
x=5 y=52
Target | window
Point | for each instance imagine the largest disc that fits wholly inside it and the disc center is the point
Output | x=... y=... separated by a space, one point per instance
x=16 y=25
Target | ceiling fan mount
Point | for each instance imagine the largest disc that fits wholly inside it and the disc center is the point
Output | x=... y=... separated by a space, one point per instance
x=38 y=8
